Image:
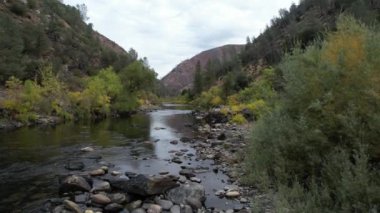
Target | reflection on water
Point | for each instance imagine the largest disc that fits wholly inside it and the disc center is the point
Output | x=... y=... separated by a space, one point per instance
x=31 y=158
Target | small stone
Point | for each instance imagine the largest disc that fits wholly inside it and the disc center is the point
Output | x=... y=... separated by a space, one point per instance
x=230 y=211
x=153 y=208
x=175 y=209
x=182 y=179
x=74 y=183
x=194 y=179
x=100 y=199
x=101 y=186
x=135 y=204
x=186 y=209
x=88 y=211
x=187 y=173
x=113 y=207
x=87 y=149
x=176 y=160
x=139 y=210
x=220 y=193
x=97 y=172
x=231 y=188
x=116 y=173
x=174 y=142
x=164 y=173
x=165 y=204
x=194 y=203
x=118 y=198
x=105 y=168
x=82 y=198
x=232 y=194
x=72 y=206
x=243 y=200
x=130 y=174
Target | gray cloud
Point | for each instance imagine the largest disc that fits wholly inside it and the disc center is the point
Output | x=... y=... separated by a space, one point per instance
x=170 y=31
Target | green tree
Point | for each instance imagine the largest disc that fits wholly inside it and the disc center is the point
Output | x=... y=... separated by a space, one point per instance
x=198 y=84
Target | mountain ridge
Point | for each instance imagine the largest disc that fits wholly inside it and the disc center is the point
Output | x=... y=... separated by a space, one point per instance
x=182 y=75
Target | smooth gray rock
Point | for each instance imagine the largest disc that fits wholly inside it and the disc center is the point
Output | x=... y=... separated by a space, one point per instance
x=139 y=210
x=153 y=208
x=189 y=173
x=119 y=198
x=72 y=206
x=100 y=199
x=113 y=207
x=191 y=193
x=74 y=183
x=146 y=185
x=101 y=186
x=175 y=209
x=165 y=204
x=135 y=204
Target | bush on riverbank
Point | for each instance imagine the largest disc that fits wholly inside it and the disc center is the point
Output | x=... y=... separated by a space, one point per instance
x=318 y=149
x=48 y=95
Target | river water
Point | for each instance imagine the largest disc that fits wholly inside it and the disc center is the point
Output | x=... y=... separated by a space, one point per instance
x=31 y=159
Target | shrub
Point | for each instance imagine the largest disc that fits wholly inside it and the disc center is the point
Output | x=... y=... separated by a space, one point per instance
x=238 y=119
x=319 y=147
x=18 y=8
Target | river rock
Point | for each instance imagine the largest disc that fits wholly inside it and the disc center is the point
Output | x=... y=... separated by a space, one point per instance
x=139 y=210
x=74 y=183
x=131 y=174
x=220 y=193
x=215 y=117
x=97 y=172
x=185 y=139
x=189 y=173
x=175 y=209
x=105 y=168
x=191 y=193
x=182 y=179
x=72 y=206
x=135 y=204
x=87 y=149
x=74 y=165
x=194 y=179
x=100 y=199
x=176 y=160
x=232 y=194
x=229 y=211
x=118 y=182
x=116 y=173
x=150 y=185
x=174 y=142
x=113 y=207
x=101 y=186
x=81 y=198
x=153 y=208
x=186 y=209
x=119 y=198
x=165 y=204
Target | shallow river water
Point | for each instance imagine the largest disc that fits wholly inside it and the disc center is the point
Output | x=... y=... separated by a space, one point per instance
x=32 y=158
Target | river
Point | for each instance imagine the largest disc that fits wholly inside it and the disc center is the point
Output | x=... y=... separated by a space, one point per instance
x=31 y=159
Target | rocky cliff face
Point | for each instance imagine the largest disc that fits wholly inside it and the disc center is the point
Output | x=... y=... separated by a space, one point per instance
x=182 y=76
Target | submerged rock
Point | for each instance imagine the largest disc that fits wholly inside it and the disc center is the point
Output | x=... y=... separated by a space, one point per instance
x=145 y=185
x=113 y=207
x=74 y=165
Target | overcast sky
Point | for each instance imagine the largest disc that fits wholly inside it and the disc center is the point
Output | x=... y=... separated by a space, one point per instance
x=170 y=31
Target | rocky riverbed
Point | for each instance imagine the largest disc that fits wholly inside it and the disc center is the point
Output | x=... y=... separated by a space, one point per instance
x=194 y=167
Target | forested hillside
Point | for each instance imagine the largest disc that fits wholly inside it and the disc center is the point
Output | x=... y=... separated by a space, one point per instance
x=53 y=63
x=310 y=82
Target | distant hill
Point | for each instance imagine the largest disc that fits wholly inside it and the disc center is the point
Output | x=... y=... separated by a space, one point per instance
x=35 y=33
x=182 y=76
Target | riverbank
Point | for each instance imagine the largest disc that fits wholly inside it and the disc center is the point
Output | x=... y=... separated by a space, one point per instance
x=170 y=148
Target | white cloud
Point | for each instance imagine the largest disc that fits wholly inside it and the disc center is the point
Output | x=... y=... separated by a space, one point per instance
x=170 y=31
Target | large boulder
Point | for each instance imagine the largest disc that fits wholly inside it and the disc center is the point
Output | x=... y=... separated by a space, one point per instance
x=74 y=183
x=149 y=185
x=192 y=194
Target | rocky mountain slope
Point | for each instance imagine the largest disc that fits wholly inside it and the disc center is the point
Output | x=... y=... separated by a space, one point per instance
x=47 y=32
x=182 y=76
